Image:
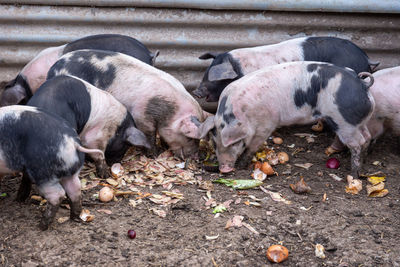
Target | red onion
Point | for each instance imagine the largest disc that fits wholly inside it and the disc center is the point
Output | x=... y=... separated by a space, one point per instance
x=131 y=234
x=333 y=163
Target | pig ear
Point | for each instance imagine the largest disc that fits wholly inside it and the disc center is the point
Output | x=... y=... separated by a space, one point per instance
x=136 y=137
x=232 y=134
x=13 y=95
x=208 y=55
x=154 y=56
x=221 y=72
x=193 y=128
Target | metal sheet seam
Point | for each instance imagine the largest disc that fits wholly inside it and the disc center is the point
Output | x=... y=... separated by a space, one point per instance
x=368 y=6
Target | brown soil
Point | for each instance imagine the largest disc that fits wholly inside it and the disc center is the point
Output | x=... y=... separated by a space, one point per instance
x=355 y=230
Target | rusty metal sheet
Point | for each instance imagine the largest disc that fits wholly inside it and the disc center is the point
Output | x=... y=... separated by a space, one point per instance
x=182 y=35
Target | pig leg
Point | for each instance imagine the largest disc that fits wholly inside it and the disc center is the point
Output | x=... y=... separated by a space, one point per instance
x=24 y=188
x=54 y=193
x=72 y=187
x=355 y=141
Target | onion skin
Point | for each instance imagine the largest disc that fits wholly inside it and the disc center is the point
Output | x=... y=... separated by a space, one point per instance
x=277 y=253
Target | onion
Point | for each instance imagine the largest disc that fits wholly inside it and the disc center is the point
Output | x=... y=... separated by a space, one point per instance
x=283 y=157
x=277 y=253
x=106 y=194
x=277 y=140
x=131 y=234
x=267 y=169
x=332 y=163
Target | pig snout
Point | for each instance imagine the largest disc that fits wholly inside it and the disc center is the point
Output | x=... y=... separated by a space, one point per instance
x=226 y=168
x=200 y=92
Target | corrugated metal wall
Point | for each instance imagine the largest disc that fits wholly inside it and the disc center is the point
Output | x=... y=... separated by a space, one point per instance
x=183 y=34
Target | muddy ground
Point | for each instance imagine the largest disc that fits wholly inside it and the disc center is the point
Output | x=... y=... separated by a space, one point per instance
x=355 y=230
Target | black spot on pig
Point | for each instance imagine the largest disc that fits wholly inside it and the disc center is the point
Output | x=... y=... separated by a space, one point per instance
x=316 y=113
x=118 y=145
x=213 y=89
x=66 y=97
x=318 y=82
x=351 y=87
x=227 y=116
x=331 y=123
x=195 y=120
x=112 y=42
x=160 y=111
x=339 y=52
x=80 y=65
x=312 y=67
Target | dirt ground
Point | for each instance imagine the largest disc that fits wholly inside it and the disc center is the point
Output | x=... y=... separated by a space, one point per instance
x=355 y=230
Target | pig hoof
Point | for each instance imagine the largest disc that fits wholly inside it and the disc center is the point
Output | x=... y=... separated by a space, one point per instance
x=44 y=225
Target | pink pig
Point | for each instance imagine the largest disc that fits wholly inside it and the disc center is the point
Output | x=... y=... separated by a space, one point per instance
x=251 y=108
x=157 y=101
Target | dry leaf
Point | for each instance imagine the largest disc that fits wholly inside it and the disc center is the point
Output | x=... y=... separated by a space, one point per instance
x=236 y=221
x=376 y=187
x=109 y=212
x=112 y=182
x=248 y=226
x=305 y=165
x=335 y=177
x=211 y=237
x=62 y=219
x=380 y=193
x=276 y=196
x=376 y=179
x=159 y=212
x=206 y=185
x=300 y=187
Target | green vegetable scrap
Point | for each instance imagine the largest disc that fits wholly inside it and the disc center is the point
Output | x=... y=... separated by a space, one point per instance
x=3 y=194
x=219 y=209
x=239 y=184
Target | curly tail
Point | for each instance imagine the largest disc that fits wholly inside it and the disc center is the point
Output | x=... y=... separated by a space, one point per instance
x=361 y=75
x=89 y=150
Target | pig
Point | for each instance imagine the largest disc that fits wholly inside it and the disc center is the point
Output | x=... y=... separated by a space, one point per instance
x=251 y=108
x=48 y=152
x=157 y=101
x=230 y=66
x=19 y=90
x=101 y=121
x=386 y=93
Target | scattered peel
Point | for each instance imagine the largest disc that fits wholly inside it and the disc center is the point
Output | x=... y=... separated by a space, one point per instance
x=318 y=127
x=354 y=185
x=117 y=170
x=277 y=253
x=300 y=187
x=320 y=251
x=380 y=193
x=86 y=216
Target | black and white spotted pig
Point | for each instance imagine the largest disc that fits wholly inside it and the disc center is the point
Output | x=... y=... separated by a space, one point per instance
x=48 y=152
x=19 y=90
x=157 y=101
x=230 y=66
x=251 y=108
x=101 y=121
x=386 y=116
